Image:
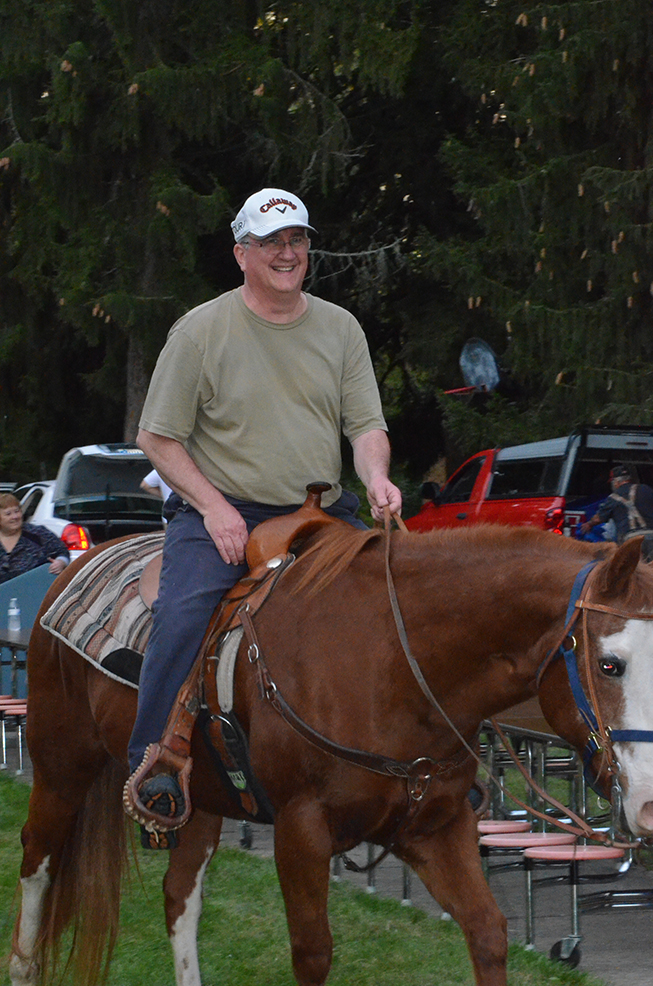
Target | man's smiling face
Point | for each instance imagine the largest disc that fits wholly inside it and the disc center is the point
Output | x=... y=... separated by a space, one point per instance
x=276 y=264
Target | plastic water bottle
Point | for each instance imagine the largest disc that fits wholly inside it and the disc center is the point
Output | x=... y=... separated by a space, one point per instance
x=13 y=616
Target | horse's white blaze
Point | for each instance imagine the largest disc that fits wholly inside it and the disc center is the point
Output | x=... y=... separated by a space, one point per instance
x=184 y=933
x=634 y=645
x=25 y=971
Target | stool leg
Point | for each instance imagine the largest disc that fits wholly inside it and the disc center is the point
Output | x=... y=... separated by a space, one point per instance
x=371 y=874
x=406 y=900
x=485 y=861
x=19 y=737
x=530 y=908
x=538 y=771
x=567 y=950
x=497 y=770
x=246 y=836
x=582 y=791
x=574 y=880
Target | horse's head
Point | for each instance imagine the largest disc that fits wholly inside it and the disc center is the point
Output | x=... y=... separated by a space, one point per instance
x=608 y=670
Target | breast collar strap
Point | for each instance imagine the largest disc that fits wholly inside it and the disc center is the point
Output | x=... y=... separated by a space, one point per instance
x=598 y=734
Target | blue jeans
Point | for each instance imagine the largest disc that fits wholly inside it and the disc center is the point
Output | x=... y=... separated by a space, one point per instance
x=194 y=579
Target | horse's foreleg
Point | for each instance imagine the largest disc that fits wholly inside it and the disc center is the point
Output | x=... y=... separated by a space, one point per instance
x=302 y=849
x=449 y=865
x=182 y=887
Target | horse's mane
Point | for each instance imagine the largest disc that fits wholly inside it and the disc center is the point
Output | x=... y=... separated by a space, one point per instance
x=332 y=551
x=329 y=554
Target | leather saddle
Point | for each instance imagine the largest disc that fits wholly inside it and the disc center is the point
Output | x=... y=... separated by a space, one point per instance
x=271 y=539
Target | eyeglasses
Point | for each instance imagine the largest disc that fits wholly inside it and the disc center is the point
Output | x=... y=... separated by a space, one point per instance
x=275 y=244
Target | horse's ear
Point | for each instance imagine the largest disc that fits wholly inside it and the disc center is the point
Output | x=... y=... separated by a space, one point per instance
x=619 y=569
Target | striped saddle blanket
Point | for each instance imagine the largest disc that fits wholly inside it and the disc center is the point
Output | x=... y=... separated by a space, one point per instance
x=101 y=614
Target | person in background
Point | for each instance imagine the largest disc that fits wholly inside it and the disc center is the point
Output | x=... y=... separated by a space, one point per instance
x=26 y=546
x=246 y=406
x=154 y=485
x=630 y=507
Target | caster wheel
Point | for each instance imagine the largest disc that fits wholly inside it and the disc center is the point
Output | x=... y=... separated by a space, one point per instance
x=560 y=953
x=245 y=835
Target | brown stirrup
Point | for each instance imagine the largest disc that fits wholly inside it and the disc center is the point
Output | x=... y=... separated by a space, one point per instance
x=156 y=756
x=267 y=554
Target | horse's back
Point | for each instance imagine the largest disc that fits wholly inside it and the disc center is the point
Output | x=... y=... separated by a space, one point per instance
x=74 y=711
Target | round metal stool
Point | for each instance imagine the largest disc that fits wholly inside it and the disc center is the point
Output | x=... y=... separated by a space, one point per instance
x=566 y=950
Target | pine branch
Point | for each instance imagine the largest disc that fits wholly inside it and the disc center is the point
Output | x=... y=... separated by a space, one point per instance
x=9 y=117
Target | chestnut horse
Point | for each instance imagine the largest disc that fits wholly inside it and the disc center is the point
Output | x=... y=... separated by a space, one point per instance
x=482 y=608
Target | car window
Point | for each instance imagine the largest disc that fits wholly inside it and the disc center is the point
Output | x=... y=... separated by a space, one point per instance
x=591 y=476
x=30 y=503
x=90 y=475
x=590 y=479
x=460 y=486
x=525 y=477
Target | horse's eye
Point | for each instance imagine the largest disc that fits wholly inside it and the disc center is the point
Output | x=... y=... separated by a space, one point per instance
x=612 y=667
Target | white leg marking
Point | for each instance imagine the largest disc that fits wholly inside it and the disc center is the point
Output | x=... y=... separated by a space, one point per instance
x=25 y=971
x=634 y=645
x=184 y=933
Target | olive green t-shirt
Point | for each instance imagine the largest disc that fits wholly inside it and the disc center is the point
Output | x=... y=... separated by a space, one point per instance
x=260 y=406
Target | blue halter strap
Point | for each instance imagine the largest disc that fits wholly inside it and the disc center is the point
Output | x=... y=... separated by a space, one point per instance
x=587 y=712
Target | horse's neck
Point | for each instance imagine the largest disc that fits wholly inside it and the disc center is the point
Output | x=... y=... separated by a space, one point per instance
x=484 y=630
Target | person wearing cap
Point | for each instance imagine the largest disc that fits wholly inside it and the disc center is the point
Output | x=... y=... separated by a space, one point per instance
x=246 y=406
x=630 y=507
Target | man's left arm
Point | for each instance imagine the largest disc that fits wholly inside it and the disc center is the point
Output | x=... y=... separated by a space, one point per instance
x=372 y=464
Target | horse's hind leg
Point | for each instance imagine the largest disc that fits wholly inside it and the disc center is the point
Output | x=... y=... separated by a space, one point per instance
x=302 y=848
x=449 y=865
x=50 y=820
x=198 y=840
x=24 y=967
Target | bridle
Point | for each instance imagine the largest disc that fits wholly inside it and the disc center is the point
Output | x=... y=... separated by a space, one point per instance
x=601 y=737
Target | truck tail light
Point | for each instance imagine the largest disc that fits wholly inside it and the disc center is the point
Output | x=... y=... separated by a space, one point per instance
x=554 y=520
x=76 y=538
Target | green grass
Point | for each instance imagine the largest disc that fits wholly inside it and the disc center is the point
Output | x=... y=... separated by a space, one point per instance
x=243 y=934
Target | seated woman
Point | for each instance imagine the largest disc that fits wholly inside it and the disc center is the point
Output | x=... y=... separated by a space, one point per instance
x=26 y=546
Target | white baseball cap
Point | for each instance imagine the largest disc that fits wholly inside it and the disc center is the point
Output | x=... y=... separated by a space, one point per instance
x=268 y=211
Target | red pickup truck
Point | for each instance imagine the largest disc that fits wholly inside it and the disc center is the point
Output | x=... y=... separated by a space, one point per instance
x=554 y=485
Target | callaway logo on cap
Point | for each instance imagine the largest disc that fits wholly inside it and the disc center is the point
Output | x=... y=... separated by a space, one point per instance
x=268 y=211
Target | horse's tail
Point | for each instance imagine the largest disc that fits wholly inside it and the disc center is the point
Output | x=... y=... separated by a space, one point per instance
x=85 y=893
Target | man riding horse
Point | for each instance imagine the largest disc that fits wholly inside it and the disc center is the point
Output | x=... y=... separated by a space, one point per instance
x=245 y=407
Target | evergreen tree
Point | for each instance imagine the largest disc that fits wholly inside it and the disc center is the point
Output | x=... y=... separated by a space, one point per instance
x=131 y=134
x=400 y=102
x=555 y=173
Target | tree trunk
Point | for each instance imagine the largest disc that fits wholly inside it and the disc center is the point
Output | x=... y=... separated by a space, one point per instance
x=137 y=384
